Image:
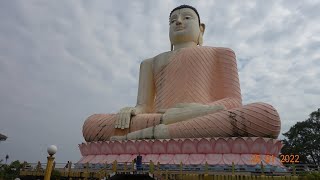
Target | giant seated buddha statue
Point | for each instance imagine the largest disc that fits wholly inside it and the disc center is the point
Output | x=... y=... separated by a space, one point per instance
x=192 y=91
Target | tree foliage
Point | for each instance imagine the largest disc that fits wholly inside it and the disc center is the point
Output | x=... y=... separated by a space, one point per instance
x=10 y=171
x=303 y=139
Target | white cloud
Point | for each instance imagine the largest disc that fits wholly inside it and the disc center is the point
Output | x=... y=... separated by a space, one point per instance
x=63 y=61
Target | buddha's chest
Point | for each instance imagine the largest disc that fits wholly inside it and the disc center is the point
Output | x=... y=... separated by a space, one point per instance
x=195 y=58
x=162 y=60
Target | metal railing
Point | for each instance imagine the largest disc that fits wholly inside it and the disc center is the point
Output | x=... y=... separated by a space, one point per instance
x=165 y=171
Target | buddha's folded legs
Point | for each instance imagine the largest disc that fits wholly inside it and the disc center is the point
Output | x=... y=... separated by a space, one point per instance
x=256 y=119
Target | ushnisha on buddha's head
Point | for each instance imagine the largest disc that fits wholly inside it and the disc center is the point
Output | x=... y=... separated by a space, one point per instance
x=185 y=26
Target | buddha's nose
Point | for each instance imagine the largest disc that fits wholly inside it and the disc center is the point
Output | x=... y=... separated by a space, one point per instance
x=178 y=21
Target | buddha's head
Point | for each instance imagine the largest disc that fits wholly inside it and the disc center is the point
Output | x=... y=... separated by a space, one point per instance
x=185 y=26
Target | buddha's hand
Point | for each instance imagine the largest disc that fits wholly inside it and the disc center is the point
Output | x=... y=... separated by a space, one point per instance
x=124 y=116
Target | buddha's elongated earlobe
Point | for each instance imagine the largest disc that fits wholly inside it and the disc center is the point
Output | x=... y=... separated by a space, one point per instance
x=171 y=47
x=200 y=37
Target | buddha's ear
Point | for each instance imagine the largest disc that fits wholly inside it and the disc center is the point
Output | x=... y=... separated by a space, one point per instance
x=202 y=27
x=200 y=37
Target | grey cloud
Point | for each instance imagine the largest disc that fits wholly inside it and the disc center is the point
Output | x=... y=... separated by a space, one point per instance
x=63 y=61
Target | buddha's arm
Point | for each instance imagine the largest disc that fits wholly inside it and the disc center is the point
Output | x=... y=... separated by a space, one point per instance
x=230 y=93
x=145 y=96
x=146 y=90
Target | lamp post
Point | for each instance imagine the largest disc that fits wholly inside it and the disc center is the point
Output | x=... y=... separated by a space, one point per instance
x=51 y=151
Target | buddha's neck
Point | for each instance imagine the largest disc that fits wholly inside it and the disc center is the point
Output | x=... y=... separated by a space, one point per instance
x=184 y=45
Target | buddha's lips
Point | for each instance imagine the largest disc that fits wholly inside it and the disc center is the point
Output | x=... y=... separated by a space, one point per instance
x=179 y=28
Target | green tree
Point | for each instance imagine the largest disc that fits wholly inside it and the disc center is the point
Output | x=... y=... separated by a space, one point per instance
x=303 y=139
x=10 y=171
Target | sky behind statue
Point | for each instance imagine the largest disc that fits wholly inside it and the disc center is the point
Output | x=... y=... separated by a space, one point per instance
x=63 y=61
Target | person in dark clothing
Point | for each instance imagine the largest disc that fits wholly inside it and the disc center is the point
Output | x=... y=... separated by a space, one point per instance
x=139 y=162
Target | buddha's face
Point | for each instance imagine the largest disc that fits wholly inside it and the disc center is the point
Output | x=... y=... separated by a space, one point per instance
x=184 y=26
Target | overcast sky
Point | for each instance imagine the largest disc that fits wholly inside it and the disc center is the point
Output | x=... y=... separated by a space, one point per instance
x=61 y=61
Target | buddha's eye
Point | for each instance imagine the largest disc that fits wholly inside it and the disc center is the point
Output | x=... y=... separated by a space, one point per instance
x=187 y=17
x=172 y=21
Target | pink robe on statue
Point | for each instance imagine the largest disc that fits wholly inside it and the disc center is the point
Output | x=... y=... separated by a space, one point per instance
x=203 y=75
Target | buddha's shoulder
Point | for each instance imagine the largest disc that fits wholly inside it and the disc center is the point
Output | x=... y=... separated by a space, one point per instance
x=166 y=55
x=161 y=56
x=198 y=48
x=218 y=49
x=222 y=52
